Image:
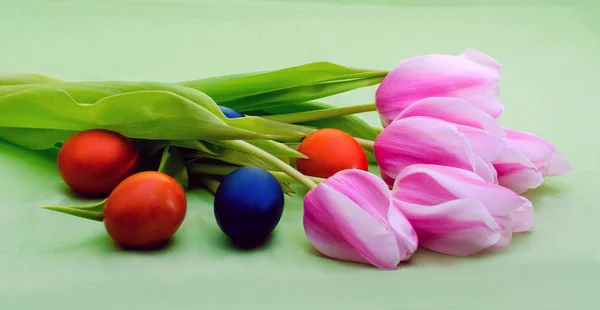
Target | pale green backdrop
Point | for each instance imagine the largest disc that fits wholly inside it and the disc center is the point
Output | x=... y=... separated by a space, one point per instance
x=550 y=85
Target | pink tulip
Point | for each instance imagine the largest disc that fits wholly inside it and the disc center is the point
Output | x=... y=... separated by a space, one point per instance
x=472 y=76
x=425 y=140
x=526 y=160
x=486 y=136
x=456 y=212
x=350 y=217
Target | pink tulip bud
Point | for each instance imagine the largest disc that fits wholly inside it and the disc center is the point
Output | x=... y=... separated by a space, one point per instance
x=472 y=76
x=454 y=211
x=426 y=140
x=526 y=160
x=350 y=217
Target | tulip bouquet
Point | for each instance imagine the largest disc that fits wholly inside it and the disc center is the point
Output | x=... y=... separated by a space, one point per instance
x=450 y=175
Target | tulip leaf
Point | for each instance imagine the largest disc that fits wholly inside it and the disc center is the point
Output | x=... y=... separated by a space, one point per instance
x=236 y=158
x=201 y=146
x=173 y=164
x=233 y=87
x=265 y=126
x=24 y=78
x=35 y=139
x=299 y=94
x=92 y=212
x=151 y=115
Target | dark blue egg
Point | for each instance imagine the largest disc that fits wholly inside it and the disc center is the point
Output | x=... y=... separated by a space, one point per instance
x=230 y=113
x=248 y=205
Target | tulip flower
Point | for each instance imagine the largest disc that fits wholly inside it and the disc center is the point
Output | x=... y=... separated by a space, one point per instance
x=472 y=76
x=454 y=211
x=526 y=160
x=486 y=136
x=425 y=140
x=350 y=217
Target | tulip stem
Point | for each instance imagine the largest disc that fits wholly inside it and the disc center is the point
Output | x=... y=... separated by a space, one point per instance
x=246 y=147
x=315 y=115
x=211 y=184
x=367 y=144
x=225 y=170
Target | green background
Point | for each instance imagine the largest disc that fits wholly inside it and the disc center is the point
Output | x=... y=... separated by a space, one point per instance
x=550 y=84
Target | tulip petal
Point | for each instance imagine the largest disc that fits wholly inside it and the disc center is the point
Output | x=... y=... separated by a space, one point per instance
x=505 y=238
x=484 y=97
x=421 y=140
x=516 y=172
x=437 y=76
x=459 y=227
x=406 y=237
x=388 y=180
x=558 y=165
x=486 y=136
x=522 y=218
x=485 y=170
x=539 y=151
x=482 y=59
x=457 y=183
x=325 y=207
x=366 y=190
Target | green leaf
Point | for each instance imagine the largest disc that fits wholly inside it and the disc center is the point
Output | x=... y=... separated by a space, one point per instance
x=92 y=212
x=298 y=94
x=236 y=158
x=351 y=124
x=201 y=146
x=265 y=126
x=276 y=148
x=35 y=139
x=207 y=83
x=24 y=78
x=172 y=163
x=233 y=87
x=152 y=115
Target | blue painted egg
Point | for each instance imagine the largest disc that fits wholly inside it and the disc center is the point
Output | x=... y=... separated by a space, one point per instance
x=248 y=205
x=230 y=113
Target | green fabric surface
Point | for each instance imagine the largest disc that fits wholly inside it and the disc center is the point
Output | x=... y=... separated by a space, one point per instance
x=550 y=52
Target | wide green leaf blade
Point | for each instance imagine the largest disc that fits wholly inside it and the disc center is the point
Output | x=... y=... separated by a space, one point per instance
x=265 y=126
x=297 y=94
x=286 y=78
x=7 y=78
x=35 y=139
x=153 y=115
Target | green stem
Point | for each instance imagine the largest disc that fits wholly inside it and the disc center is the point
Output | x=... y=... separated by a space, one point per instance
x=225 y=170
x=315 y=115
x=246 y=147
x=367 y=144
x=211 y=184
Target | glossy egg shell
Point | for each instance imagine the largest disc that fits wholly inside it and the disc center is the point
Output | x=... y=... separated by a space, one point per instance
x=330 y=151
x=248 y=205
x=145 y=210
x=94 y=162
x=230 y=113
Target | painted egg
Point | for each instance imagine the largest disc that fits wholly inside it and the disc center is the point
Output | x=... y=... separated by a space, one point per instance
x=330 y=151
x=230 y=113
x=248 y=205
